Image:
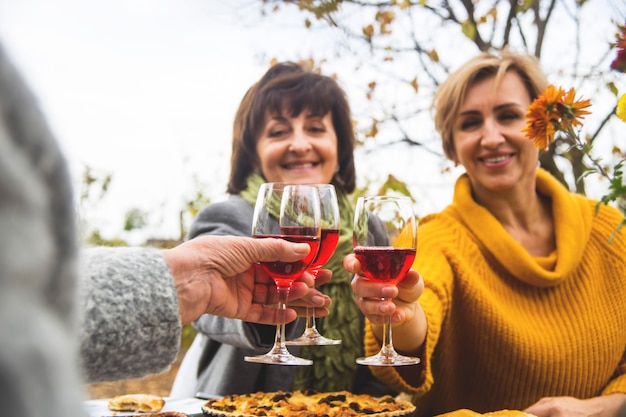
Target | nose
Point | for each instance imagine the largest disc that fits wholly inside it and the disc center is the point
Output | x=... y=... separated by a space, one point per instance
x=492 y=136
x=299 y=142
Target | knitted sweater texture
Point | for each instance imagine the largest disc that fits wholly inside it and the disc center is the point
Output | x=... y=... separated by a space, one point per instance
x=506 y=328
x=122 y=327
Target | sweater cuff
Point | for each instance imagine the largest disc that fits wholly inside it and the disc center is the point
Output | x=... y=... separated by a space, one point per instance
x=618 y=385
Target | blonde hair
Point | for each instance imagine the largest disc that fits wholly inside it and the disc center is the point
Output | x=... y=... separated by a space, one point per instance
x=451 y=93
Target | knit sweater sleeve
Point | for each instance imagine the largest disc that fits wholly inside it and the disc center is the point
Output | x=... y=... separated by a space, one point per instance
x=608 y=220
x=434 y=266
x=131 y=327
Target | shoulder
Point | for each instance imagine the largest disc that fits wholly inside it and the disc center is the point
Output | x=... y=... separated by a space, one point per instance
x=444 y=225
x=608 y=221
x=232 y=216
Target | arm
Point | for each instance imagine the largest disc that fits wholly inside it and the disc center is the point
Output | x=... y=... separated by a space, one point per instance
x=130 y=315
x=227 y=283
x=135 y=299
x=38 y=374
x=611 y=405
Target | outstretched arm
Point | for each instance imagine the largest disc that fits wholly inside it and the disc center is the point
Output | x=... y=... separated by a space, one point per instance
x=217 y=275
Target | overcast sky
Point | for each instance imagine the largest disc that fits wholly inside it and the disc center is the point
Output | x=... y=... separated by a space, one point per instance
x=146 y=90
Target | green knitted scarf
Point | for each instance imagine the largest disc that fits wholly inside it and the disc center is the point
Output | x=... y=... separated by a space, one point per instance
x=333 y=366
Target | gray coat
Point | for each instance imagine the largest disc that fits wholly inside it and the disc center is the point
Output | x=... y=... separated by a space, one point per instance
x=122 y=330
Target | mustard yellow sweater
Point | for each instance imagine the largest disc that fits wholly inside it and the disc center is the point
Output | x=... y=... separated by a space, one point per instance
x=506 y=328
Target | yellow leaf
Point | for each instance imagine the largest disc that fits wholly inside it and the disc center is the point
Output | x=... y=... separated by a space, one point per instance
x=621 y=108
x=433 y=55
x=468 y=29
x=414 y=84
x=368 y=31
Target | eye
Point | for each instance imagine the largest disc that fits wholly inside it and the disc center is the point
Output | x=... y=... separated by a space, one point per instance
x=509 y=116
x=278 y=130
x=469 y=123
x=276 y=133
x=317 y=129
x=316 y=126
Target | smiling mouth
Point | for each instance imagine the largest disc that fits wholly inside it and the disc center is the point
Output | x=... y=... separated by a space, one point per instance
x=301 y=166
x=495 y=159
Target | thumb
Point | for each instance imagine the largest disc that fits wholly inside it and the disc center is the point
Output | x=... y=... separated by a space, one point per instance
x=272 y=249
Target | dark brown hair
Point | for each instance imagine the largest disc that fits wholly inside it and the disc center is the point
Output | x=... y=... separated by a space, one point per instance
x=289 y=87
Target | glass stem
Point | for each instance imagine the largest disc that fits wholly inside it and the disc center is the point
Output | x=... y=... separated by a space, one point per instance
x=310 y=319
x=283 y=294
x=387 y=349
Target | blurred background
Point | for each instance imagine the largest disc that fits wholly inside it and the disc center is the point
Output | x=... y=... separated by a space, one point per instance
x=141 y=95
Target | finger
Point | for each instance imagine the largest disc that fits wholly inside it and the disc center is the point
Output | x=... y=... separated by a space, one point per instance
x=365 y=288
x=351 y=264
x=323 y=276
x=372 y=307
x=319 y=311
x=307 y=278
x=410 y=288
x=272 y=249
x=266 y=314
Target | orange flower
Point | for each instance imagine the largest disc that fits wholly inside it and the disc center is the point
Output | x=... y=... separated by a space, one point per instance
x=554 y=111
x=573 y=110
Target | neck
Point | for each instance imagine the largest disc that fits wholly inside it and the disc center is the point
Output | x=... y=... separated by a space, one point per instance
x=525 y=214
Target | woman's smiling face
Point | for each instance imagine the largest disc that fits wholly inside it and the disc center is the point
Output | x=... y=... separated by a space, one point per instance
x=487 y=135
x=300 y=149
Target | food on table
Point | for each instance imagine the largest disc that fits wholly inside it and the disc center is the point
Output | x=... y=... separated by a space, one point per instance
x=139 y=403
x=307 y=403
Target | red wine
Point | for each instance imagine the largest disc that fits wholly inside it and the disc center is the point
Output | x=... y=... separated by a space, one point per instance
x=385 y=263
x=285 y=273
x=329 y=239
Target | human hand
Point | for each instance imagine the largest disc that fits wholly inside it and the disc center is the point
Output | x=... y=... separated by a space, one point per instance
x=602 y=406
x=378 y=300
x=300 y=304
x=218 y=275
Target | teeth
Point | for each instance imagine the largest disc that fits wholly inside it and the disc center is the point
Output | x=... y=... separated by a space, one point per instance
x=496 y=159
x=300 y=166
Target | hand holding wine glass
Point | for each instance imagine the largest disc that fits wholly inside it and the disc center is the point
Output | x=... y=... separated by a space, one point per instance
x=290 y=212
x=385 y=242
x=329 y=236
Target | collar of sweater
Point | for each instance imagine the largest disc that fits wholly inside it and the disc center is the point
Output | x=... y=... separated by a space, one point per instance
x=572 y=218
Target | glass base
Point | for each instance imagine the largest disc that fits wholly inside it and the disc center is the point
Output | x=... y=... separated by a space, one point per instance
x=312 y=337
x=278 y=356
x=388 y=359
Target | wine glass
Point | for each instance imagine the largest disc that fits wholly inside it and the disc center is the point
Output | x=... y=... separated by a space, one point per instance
x=290 y=212
x=329 y=236
x=385 y=241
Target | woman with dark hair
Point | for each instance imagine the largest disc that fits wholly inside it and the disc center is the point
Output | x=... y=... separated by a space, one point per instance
x=294 y=126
